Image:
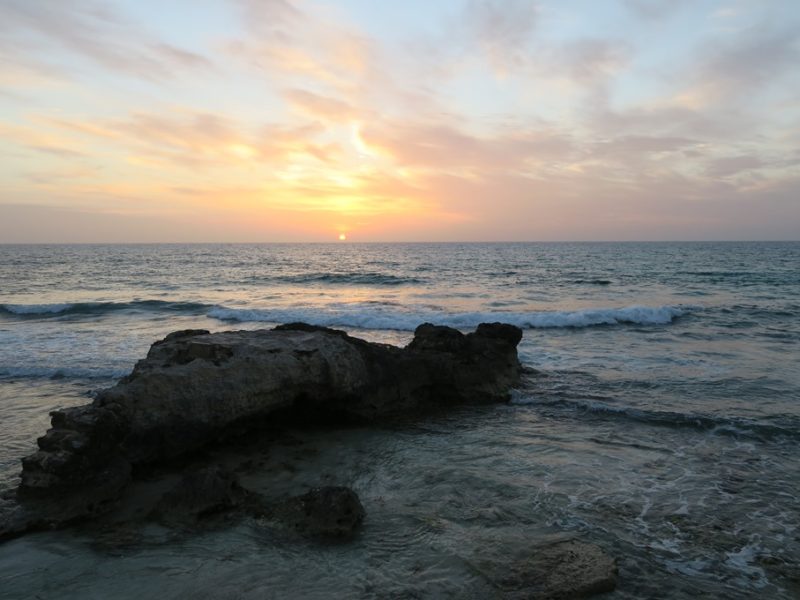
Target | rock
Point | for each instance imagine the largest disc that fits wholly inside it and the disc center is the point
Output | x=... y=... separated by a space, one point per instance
x=37 y=509
x=195 y=387
x=562 y=571
x=327 y=512
x=78 y=451
x=468 y=368
x=199 y=494
x=330 y=512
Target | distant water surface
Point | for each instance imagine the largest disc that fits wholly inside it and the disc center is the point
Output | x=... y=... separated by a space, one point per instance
x=663 y=421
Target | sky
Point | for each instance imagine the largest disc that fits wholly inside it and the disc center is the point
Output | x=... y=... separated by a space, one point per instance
x=421 y=120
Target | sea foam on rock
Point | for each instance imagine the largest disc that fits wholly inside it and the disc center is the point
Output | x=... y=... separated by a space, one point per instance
x=195 y=387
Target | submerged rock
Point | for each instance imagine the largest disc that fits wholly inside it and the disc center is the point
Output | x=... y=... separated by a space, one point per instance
x=203 y=495
x=331 y=512
x=562 y=571
x=199 y=494
x=195 y=387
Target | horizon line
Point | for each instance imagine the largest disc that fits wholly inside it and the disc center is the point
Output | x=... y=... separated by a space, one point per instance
x=350 y=242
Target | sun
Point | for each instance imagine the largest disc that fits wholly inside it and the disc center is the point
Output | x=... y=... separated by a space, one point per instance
x=342 y=237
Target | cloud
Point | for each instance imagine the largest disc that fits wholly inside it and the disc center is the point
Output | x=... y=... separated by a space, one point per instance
x=33 y=32
x=271 y=17
x=328 y=69
x=195 y=139
x=633 y=145
x=502 y=29
x=304 y=46
x=654 y=9
x=24 y=223
x=590 y=60
x=513 y=42
x=44 y=141
x=739 y=67
x=733 y=165
x=667 y=119
x=428 y=146
x=323 y=107
x=57 y=151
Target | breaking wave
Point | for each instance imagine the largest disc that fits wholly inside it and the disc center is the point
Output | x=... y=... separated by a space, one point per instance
x=365 y=317
x=99 y=308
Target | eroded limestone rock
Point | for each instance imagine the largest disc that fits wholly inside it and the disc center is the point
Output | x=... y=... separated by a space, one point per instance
x=195 y=387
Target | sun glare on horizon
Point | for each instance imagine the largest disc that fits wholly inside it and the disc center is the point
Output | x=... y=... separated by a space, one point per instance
x=342 y=237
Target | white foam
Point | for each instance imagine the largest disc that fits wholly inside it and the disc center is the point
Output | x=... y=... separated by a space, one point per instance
x=692 y=568
x=743 y=562
x=366 y=317
x=36 y=309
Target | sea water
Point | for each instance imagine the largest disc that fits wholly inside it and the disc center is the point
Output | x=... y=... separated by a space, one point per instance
x=660 y=419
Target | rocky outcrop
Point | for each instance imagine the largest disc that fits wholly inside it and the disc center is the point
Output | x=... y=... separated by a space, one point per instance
x=195 y=387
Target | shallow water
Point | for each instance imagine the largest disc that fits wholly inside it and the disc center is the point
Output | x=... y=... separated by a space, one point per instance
x=667 y=434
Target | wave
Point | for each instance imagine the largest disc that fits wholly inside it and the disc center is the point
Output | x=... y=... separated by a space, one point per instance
x=35 y=309
x=97 y=308
x=778 y=310
x=35 y=372
x=593 y=281
x=349 y=279
x=366 y=315
x=732 y=426
x=363 y=317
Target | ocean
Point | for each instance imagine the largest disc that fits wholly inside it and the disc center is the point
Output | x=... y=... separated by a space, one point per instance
x=660 y=418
